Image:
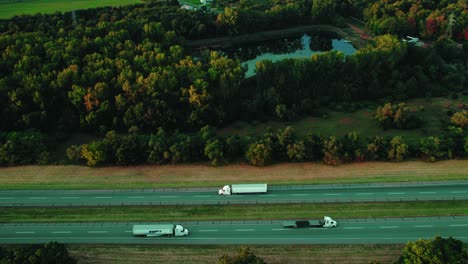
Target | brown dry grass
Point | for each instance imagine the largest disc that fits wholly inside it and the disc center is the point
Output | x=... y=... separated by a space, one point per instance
x=202 y=175
x=298 y=254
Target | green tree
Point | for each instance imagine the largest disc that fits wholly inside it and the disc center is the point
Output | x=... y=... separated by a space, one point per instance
x=460 y=118
x=259 y=154
x=244 y=256
x=434 y=251
x=398 y=149
x=94 y=153
x=214 y=151
x=431 y=149
x=297 y=151
x=333 y=151
x=74 y=153
x=323 y=11
x=378 y=149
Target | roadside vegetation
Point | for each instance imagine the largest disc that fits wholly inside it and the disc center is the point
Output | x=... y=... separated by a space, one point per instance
x=182 y=176
x=232 y=212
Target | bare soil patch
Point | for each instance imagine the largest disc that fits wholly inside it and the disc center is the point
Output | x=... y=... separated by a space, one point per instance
x=202 y=175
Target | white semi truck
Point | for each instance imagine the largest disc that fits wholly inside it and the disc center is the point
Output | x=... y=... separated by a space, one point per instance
x=243 y=189
x=159 y=230
x=326 y=222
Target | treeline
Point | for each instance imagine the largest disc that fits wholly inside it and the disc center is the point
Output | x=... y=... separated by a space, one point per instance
x=50 y=253
x=426 y=19
x=280 y=146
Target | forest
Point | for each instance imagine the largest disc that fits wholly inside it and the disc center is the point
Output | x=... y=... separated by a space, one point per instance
x=126 y=75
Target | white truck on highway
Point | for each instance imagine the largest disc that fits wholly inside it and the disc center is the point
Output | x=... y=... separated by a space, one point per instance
x=326 y=222
x=159 y=230
x=243 y=189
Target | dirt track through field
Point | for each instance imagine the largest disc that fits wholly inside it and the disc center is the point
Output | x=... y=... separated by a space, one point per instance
x=203 y=175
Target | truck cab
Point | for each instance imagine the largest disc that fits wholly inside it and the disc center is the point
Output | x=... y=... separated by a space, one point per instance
x=226 y=190
x=328 y=222
x=180 y=231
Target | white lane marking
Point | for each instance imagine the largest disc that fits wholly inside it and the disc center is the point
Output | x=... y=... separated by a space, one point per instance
x=135 y=197
x=243 y=230
x=129 y=231
x=388 y=226
x=426 y=192
x=364 y=193
x=97 y=232
x=460 y=225
x=458 y=192
x=61 y=232
x=280 y=229
x=208 y=230
x=6 y=198
x=332 y=194
x=103 y=197
x=424 y=226
x=25 y=232
x=396 y=193
x=168 y=196
x=70 y=197
x=37 y=198
x=300 y=194
x=354 y=227
x=201 y=196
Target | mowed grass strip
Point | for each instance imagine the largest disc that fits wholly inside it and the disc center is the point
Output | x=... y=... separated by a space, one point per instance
x=10 y=8
x=82 y=177
x=272 y=254
x=233 y=212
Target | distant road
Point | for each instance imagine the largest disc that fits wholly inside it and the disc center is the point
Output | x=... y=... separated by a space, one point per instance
x=358 y=231
x=277 y=194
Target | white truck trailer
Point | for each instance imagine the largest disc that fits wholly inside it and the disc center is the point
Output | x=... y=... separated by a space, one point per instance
x=159 y=230
x=326 y=222
x=243 y=189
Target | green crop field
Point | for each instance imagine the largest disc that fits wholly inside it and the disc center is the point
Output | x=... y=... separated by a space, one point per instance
x=10 y=8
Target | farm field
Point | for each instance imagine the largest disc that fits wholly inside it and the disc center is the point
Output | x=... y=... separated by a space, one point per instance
x=10 y=8
x=82 y=177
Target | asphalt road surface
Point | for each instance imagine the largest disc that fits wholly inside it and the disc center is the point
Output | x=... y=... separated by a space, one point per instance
x=276 y=194
x=356 y=231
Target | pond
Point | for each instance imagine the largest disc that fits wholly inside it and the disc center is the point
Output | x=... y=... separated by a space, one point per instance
x=295 y=47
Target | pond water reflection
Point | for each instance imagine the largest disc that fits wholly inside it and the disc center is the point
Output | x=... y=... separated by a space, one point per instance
x=299 y=47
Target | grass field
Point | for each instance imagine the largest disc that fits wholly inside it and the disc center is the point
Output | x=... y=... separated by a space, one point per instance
x=232 y=212
x=361 y=121
x=272 y=254
x=77 y=177
x=10 y=8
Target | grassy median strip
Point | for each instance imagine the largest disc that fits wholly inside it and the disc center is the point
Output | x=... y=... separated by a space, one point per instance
x=232 y=212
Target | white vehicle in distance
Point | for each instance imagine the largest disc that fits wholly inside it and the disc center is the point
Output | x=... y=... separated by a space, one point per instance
x=159 y=230
x=243 y=189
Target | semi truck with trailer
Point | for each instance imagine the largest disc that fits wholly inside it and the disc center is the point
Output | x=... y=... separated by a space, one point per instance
x=326 y=222
x=160 y=230
x=243 y=189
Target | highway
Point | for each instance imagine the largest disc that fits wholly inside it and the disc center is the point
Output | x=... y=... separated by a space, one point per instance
x=276 y=194
x=352 y=231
